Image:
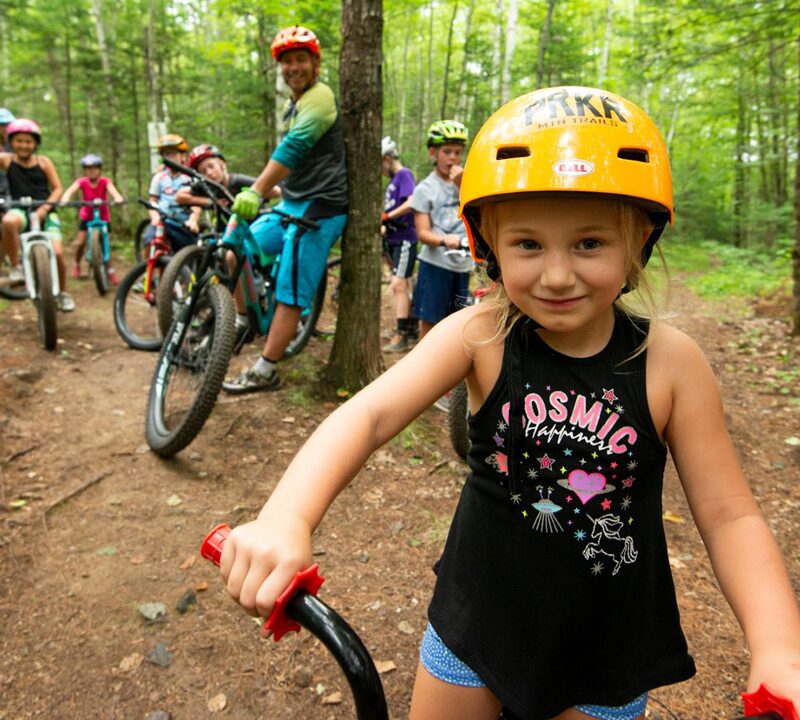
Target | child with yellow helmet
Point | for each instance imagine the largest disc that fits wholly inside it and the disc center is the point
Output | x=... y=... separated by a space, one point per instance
x=554 y=597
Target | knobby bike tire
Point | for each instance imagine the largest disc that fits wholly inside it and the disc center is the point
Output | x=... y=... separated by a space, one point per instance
x=219 y=328
x=99 y=269
x=45 y=300
x=457 y=424
x=125 y=294
x=138 y=239
x=179 y=270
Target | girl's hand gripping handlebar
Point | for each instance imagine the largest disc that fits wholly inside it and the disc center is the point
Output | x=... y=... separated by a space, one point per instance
x=296 y=606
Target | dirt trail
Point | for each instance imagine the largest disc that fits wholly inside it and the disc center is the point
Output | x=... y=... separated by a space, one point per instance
x=75 y=573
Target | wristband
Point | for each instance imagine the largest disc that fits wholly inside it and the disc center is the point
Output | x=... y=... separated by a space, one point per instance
x=443 y=243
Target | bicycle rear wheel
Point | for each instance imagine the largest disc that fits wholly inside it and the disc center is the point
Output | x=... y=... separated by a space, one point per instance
x=138 y=239
x=175 y=284
x=136 y=313
x=45 y=301
x=99 y=268
x=190 y=371
x=457 y=423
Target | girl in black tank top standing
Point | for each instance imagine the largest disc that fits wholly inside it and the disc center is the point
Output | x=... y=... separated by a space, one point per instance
x=34 y=176
x=554 y=597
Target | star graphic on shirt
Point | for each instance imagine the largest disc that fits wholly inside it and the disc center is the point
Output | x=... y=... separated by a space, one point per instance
x=630 y=521
x=626 y=502
x=567 y=453
x=516 y=498
x=548 y=387
x=606 y=504
x=628 y=481
x=613 y=465
x=609 y=395
x=571 y=392
x=632 y=465
x=597 y=568
x=594 y=395
x=532 y=474
x=563 y=469
x=583 y=461
x=527 y=386
x=525 y=455
x=498 y=440
x=580 y=535
x=569 y=498
x=619 y=409
x=545 y=462
x=577 y=511
x=524 y=513
x=594 y=455
x=501 y=426
x=608 y=411
x=538 y=442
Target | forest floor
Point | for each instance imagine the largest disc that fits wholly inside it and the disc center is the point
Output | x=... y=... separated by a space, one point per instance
x=74 y=573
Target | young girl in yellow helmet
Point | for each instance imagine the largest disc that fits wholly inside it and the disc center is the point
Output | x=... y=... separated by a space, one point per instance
x=554 y=596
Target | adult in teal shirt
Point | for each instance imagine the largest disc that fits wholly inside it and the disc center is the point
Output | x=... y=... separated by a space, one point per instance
x=309 y=167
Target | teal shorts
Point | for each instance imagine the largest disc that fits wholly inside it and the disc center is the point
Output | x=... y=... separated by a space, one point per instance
x=304 y=253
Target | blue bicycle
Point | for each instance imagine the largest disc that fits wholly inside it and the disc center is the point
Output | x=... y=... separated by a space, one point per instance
x=98 y=245
x=198 y=346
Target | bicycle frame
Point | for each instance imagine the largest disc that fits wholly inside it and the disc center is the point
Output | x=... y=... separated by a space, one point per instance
x=97 y=223
x=27 y=240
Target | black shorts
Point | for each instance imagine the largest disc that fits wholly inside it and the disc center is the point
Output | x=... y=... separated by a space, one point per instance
x=84 y=225
x=404 y=257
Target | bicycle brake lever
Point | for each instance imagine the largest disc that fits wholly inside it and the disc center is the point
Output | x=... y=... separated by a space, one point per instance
x=278 y=622
x=764 y=702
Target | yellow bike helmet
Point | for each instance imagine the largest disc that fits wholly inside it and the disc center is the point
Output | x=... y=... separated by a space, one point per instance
x=171 y=142
x=567 y=140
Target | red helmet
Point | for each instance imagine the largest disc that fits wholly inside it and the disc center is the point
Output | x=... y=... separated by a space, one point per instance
x=203 y=152
x=23 y=125
x=295 y=38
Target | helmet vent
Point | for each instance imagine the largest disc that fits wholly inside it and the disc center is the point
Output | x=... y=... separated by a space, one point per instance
x=507 y=153
x=636 y=154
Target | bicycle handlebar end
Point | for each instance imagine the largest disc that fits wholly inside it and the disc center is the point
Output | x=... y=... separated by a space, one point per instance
x=211 y=549
x=279 y=623
x=763 y=701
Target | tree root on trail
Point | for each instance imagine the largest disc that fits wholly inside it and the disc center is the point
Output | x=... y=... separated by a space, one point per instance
x=74 y=493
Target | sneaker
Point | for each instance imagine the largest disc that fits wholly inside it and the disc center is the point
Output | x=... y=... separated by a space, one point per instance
x=16 y=276
x=399 y=343
x=244 y=335
x=75 y=273
x=65 y=303
x=251 y=381
x=112 y=276
x=443 y=403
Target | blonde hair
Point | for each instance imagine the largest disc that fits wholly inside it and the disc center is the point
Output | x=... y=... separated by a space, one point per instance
x=634 y=222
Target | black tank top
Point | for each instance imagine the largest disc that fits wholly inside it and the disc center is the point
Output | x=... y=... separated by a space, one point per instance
x=27 y=182
x=554 y=585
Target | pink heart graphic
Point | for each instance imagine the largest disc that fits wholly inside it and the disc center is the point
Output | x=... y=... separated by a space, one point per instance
x=585 y=485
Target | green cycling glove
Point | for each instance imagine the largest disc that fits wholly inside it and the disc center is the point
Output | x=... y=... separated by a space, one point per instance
x=247 y=203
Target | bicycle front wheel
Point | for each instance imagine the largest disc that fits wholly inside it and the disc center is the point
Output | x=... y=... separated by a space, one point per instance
x=457 y=423
x=190 y=371
x=99 y=269
x=45 y=301
x=136 y=311
x=175 y=284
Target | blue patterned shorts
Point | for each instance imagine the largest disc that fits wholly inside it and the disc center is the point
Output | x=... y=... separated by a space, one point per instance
x=440 y=662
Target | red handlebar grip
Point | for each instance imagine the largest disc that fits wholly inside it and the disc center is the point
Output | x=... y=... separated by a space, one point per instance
x=762 y=701
x=278 y=622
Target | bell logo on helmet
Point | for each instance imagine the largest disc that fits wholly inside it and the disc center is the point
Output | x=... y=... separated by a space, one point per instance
x=573 y=167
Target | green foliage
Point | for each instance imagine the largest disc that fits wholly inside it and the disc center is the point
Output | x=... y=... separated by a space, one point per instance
x=718 y=270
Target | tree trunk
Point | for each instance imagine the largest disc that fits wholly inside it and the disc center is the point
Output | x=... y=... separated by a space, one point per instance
x=740 y=172
x=461 y=99
x=111 y=97
x=63 y=89
x=796 y=247
x=266 y=68
x=601 y=75
x=447 y=59
x=511 y=40
x=544 y=40
x=356 y=358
